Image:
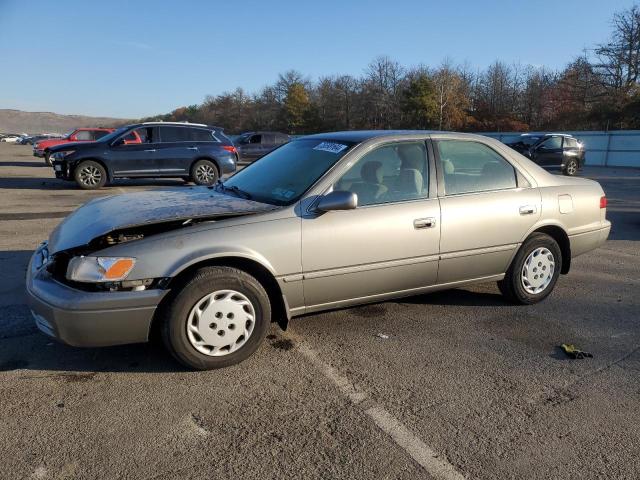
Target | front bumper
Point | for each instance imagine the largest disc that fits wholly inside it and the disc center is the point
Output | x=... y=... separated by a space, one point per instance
x=87 y=319
x=38 y=153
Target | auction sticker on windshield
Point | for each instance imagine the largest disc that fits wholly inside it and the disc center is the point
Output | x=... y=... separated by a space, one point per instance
x=330 y=147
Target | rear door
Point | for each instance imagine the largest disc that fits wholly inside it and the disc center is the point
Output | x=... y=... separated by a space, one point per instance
x=175 y=150
x=135 y=159
x=487 y=207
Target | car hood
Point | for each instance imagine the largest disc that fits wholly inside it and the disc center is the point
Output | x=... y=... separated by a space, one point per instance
x=51 y=143
x=107 y=214
x=66 y=145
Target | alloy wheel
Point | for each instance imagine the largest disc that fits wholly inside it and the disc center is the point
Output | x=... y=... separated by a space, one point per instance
x=90 y=175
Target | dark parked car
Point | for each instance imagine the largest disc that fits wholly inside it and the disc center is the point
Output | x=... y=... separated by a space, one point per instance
x=191 y=151
x=552 y=151
x=253 y=145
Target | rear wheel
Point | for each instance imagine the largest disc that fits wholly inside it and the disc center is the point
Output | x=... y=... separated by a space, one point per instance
x=90 y=175
x=216 y=318
x=204 y=172
x=571 y=168
x=534 y=271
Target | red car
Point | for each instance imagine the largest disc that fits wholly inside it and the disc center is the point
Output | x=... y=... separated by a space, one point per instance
x=41 y=148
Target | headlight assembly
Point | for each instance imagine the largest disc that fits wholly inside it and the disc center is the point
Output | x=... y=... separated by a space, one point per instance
x=62 y=155
x=99 y=269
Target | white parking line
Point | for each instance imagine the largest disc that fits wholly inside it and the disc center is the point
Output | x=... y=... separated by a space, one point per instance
x=434 y=464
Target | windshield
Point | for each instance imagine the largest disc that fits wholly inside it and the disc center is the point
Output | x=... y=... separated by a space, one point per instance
x=113 y=135
x=68 y=134
x=282 y=176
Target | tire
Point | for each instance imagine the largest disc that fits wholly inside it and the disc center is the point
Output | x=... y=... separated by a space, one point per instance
x=90 y=175
x=520 y=284
x=204 y=172
x=47 y=159
x=223 y=297
x=571 y=168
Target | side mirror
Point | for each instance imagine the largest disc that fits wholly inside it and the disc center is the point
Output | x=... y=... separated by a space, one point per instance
x=337 y=200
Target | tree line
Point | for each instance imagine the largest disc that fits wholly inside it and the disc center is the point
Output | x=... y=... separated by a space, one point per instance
x=598 y=90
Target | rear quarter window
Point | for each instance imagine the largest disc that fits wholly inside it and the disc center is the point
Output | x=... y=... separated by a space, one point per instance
x=202 y=135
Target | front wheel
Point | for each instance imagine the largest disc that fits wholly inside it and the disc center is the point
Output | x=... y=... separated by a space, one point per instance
x=204 y=172
x=534 y=271
x=218 y=317
x=47 y=159
x=90 y=175
x=571 y=168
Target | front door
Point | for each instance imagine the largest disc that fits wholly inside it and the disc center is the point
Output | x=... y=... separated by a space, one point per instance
x=135 y=159
x=388 y=244
x=487 y=208
x=549 y=152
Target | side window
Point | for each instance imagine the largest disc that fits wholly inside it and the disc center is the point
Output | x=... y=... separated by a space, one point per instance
x=570 y=142
x=99 y=134
x=392 y=173
x=473 y=167
x=84 y=135
x=255 y=139
x=201 y=135
x=174 y=134
x=280 y=139
x=146 y=134
x=552 y=143
x=131 y=137
x=269 y=139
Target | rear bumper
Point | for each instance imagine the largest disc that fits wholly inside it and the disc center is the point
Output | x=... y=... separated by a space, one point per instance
x=587 y=241
x=88 y=319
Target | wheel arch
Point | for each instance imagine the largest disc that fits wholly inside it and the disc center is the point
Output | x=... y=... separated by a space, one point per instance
x=562 y=239
x=280 y=310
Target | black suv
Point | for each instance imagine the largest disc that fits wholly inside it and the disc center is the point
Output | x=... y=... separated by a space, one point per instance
x=191 y=151
x=552 y=151
x=253 y=145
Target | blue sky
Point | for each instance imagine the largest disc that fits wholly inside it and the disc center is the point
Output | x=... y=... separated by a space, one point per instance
x=131 y=59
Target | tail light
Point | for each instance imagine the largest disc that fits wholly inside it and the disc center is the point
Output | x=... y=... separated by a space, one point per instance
x=603 y=202
x=230 y=148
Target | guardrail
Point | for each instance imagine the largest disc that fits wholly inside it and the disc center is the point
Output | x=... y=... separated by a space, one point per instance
x=618 y=148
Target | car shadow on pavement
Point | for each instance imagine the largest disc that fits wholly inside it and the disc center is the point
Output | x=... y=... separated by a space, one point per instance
x=24 y=164
x=458 y=297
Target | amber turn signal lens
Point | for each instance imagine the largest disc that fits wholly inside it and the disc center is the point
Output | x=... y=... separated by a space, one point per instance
x=119 y=269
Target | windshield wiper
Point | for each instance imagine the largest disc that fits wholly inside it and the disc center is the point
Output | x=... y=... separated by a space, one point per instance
x=237 y=190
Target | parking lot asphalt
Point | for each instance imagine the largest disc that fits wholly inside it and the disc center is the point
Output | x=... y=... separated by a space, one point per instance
x=464 y=384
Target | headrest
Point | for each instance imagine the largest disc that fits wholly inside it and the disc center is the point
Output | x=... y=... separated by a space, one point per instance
x=410 y=181
x=448 y=167
x=372 y=172
x=412 y=156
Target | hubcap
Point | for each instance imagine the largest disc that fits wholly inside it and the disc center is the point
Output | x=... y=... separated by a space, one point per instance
x=220 y=323
x=205 y=174
x=90 y=175
x=538 y=270
x=571 y=168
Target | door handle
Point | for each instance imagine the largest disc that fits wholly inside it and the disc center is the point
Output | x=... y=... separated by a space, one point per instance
x=192 y=148
x=150 y=150
x=527 y=209
x=419 y=223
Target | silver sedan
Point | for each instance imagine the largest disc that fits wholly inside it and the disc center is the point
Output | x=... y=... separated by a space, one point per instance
x=325 y=221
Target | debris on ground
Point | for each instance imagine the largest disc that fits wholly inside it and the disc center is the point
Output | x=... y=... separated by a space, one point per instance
x=573 y=352
x=383 y=336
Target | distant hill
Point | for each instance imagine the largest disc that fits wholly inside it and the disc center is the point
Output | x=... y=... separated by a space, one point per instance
x=17 y=121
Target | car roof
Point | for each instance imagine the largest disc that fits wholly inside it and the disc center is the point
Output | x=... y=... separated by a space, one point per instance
x=359 y=136
x=546 y=135
x=178 y=124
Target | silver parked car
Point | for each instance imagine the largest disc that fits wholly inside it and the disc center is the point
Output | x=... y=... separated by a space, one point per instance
x=325 y=221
